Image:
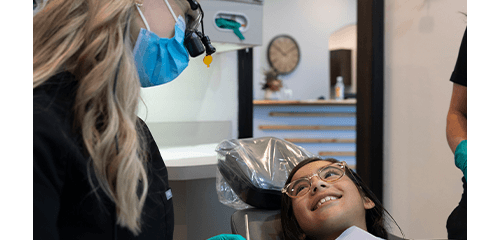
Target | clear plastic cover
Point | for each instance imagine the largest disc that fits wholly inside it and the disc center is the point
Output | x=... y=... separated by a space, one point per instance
x=259 y=163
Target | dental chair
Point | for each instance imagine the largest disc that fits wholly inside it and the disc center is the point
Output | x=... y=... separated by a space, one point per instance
x=264 y=224
x=249 y=178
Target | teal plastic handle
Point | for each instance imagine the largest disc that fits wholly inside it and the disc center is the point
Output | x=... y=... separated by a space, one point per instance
x=230 y=24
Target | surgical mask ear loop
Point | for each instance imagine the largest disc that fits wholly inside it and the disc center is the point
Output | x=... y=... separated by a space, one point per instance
x=142 y=15
x=137 y=5
x=170 y=8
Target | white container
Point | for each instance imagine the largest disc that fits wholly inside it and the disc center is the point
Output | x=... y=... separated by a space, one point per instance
x=339 y=88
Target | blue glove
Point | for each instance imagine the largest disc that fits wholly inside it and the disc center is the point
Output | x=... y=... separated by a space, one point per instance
x=227 y=237
x=461 y=157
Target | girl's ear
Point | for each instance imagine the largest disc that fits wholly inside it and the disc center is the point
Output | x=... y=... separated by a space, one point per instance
x=368 y=203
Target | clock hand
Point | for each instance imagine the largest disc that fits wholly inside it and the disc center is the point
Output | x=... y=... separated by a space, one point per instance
x=280 y=50
x=288 y=50
x=285 y=53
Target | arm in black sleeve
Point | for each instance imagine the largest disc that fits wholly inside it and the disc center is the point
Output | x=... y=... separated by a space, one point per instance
x=48 y=177
x=459 y=75
x=456 y=122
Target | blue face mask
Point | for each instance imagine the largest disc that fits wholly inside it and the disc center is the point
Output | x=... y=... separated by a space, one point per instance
x=160 y=60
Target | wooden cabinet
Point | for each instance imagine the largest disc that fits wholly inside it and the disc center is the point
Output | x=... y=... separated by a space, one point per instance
x=324 y=127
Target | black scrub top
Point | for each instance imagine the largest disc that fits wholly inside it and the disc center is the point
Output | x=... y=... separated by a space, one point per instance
x=64 y=204
x=459 y=75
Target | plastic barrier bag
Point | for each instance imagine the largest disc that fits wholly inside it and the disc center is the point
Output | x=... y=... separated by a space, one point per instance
x=251 y=172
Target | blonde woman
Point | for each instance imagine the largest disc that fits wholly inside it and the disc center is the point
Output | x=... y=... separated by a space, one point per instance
x=97 y=172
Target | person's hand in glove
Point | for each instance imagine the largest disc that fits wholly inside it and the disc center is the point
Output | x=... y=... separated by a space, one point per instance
x=227 y=237
x=461 y=157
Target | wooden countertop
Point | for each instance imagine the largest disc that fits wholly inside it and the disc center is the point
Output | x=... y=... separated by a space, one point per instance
x=304 y=102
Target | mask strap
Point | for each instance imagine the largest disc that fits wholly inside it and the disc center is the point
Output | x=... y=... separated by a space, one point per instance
x=171 y=11
x=142 y=16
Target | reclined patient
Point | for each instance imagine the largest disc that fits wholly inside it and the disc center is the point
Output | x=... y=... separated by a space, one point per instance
x=320 y=202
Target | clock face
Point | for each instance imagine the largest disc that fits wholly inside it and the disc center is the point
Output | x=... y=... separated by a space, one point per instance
x=283 y=54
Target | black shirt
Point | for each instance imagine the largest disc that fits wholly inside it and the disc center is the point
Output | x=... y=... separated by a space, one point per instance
x=64 y=204
x=459 y=75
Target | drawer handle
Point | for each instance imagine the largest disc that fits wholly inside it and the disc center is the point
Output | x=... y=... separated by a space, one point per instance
x=326 y=153
x=310 y=114
x=309 y=127
x=346 y=102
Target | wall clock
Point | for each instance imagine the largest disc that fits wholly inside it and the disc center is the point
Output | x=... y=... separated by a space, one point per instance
x=283 y=54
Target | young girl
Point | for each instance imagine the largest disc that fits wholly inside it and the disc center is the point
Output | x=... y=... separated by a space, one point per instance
x=319 y=202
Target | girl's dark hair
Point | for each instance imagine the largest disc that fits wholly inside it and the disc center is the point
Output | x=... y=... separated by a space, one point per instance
x=375 y=222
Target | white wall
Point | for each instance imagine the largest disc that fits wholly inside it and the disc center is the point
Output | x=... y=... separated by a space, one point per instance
x=310 y=23
x=198 y=94
x=421 y=184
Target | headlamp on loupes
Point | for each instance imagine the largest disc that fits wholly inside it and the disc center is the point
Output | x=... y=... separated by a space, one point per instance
x=196 y=42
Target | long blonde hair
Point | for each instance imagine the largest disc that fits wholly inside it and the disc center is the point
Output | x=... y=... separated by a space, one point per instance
x=91 y=39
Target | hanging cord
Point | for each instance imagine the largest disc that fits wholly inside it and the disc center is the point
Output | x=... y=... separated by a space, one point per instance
x=195 y=5
x=202 y=15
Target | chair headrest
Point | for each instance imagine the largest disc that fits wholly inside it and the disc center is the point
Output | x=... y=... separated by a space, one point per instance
x=255 y=169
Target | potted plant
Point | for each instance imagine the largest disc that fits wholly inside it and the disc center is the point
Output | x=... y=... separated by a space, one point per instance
x=272 y=84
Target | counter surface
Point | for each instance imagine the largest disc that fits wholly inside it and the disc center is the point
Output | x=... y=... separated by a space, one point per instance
x=190 y=162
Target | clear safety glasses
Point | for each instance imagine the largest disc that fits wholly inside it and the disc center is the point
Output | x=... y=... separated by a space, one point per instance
x=302 y=186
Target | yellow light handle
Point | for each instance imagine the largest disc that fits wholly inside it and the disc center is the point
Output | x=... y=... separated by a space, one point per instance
x=207 y=60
